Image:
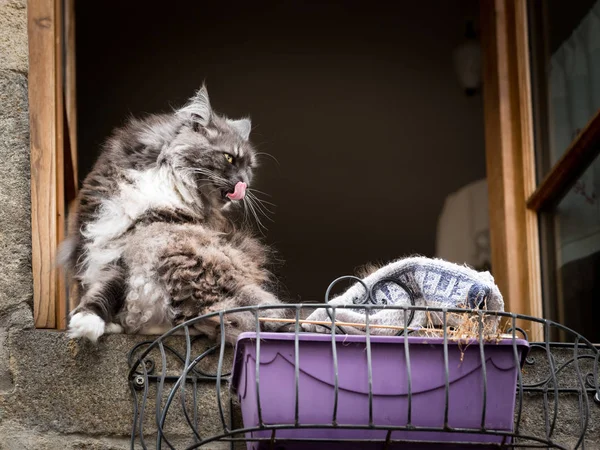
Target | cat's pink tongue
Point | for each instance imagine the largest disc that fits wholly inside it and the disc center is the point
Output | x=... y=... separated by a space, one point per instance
x=239 y=192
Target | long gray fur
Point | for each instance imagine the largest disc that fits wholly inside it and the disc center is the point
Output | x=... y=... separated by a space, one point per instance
x=154 y=239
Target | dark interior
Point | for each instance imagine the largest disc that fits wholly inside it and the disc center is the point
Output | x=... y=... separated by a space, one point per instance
x=563 y=18
x=359 y=104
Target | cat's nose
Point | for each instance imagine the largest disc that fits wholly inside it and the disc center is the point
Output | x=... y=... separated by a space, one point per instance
x=244 y=178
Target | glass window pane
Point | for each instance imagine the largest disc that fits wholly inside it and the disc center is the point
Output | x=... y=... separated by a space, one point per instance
x=565 y=84
x=565 y=38
x=576 y=222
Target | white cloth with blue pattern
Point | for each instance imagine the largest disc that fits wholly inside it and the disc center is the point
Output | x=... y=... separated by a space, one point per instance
x=433 y=282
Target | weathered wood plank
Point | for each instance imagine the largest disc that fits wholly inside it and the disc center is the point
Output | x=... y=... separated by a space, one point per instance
x=46 y=155
x=510 y=155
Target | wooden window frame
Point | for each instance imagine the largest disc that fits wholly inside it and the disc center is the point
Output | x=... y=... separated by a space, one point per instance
x=569 y=168
x=515 y=199
x=510 y=159
x=53 y=150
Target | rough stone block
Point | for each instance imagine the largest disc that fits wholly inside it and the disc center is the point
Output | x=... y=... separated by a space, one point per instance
x=16 y=286
x=13 y=35
x=571 y=410
x=73 y=387
x=16 y=437
x=6 y=383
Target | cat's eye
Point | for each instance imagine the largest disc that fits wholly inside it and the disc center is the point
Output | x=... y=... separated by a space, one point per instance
x=228 y=158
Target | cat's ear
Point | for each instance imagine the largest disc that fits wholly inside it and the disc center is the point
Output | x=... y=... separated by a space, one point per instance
x=242 y=126
x=198 y=109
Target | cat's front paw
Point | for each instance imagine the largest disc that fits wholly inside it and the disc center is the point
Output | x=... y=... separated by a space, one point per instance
x=86 y=325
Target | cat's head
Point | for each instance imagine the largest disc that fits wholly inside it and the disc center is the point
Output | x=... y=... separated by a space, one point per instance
x=211 y=154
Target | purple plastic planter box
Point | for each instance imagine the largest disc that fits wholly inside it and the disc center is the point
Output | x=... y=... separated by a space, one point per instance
x=390 y=400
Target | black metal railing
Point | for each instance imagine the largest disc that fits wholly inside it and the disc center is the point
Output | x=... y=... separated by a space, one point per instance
x=186 y=395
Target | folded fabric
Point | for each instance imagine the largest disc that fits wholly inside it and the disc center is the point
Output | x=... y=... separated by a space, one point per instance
x=431 y=282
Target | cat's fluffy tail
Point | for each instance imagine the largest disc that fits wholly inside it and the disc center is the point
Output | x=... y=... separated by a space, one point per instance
x=65 y=253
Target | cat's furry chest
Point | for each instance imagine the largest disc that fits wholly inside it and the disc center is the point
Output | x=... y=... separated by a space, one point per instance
x=137 y=194
x=172 y=268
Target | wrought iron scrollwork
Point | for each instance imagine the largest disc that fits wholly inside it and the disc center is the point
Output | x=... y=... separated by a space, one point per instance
x=180 y=384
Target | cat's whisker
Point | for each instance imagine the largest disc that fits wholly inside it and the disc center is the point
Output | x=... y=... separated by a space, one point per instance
x=217 y=181
x=254 y=192
x=264 y=210
x=210 y=178
x=269 y=155
x=246 y=214
x=205 y=171
x=207 y=180
x=258 y=222
x=264 y=202
x=257 y=207
x=260 y=192
x=209 y=173
x=260 y=203
x=212 y=191
x=254 y=213
x=262 y=207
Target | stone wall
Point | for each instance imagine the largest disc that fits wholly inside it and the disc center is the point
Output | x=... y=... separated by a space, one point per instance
x=15 y=235
x=67 y=395
x=54 y=393
x=15 y=217
x=75 y=395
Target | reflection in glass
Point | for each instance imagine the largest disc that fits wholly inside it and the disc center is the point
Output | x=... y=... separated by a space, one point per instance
x=574 y=82
x=565 y=64
x=577 y=231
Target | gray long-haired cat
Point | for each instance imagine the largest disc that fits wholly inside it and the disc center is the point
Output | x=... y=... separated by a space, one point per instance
x=153 y=238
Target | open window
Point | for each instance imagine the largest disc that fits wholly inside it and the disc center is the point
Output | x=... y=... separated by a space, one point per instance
x=366 y=125
x=369 y=131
